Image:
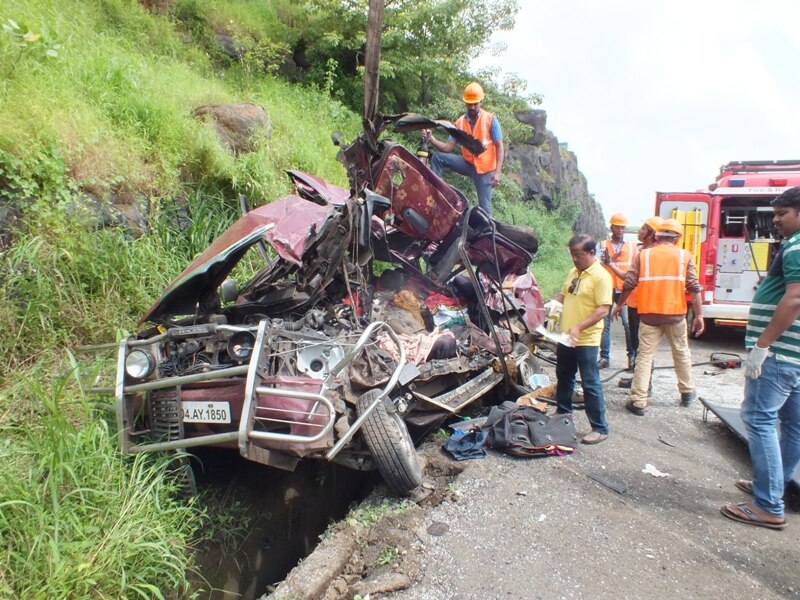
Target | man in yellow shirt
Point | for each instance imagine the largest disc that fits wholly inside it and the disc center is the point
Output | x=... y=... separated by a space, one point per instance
x=586 y=298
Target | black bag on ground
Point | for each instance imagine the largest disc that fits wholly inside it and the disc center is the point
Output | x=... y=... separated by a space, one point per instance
x=524 y=432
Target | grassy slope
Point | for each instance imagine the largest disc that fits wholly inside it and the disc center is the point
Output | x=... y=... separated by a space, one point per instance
x=101 y=102
x=110 y=113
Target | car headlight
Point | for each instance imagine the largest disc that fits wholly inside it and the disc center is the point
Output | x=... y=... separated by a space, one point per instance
x=240 y=346
x=139 y=364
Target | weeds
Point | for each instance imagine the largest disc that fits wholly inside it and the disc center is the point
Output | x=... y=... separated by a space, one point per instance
x=77 y=518
x=440 y=436
x=370 y=513
x=387 y=556
x=228 y=520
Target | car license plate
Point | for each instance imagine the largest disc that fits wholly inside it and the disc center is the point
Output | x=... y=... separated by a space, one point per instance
x=206 y=412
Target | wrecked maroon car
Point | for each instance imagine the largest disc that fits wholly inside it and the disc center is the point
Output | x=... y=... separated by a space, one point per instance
x=332 y=324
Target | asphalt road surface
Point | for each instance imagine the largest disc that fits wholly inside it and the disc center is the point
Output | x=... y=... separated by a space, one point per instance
x=542 y=528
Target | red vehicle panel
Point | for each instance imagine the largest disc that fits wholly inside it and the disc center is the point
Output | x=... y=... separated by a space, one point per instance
x=728 y=230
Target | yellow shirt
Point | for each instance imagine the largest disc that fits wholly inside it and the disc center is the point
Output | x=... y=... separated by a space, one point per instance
x=593 y=288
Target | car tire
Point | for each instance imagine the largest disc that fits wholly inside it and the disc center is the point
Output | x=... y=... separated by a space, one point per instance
x=390 y=444
x=182 y=476
x=166 y=426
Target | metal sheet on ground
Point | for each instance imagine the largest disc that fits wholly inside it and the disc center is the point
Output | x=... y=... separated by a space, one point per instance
x=730 y=416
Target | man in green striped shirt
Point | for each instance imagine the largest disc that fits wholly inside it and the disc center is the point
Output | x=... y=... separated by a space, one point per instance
x=772 y=377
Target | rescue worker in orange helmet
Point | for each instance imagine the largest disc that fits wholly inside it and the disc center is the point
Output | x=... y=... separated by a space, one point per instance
x=663 y=275
x=617 y=256
x=484 y=169
x=647 y=239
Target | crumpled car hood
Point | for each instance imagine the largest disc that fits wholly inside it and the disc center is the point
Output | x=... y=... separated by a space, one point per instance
x=289 y=225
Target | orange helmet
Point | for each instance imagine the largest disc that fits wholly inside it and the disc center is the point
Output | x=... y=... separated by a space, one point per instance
x=654 y=222
x=619 y=219
x=473 y=93
x=670 y=227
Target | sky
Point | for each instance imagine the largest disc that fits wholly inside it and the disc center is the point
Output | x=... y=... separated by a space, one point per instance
x=656 y=95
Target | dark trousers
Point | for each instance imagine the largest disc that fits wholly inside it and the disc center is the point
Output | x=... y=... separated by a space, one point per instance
x=633 y=323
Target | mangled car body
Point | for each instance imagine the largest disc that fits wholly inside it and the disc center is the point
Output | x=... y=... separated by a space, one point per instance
x=319 y=356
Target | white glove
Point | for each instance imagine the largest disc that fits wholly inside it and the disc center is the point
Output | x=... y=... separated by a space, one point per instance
x=554 y=307
x=755 y=358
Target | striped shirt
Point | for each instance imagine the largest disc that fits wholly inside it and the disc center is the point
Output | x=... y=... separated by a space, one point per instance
x=785 y=268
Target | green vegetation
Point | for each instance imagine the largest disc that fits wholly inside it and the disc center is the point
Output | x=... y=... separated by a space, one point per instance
x=77 y=518
x=387 y=556
x=370 y=513
x=552 y=261
x=440 y=436
x=97 y=98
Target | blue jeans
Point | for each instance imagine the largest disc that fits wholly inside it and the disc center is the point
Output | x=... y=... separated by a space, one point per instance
x=455 y=162
x=605 y=341
x=774 y=395
x=584 y=359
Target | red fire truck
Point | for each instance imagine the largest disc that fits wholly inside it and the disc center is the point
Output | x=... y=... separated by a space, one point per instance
x=728 y=230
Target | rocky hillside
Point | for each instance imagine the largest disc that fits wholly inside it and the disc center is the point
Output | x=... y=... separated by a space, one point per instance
x=549 y=173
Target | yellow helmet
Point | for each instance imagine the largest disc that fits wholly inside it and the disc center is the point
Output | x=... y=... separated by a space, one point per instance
x=619 y=219
x=670 y=226
x=473 y=93
x=654 y=222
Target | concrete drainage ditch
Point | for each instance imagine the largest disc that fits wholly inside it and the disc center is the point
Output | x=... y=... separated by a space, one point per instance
x=286 y=515
x=267 y=519
x=376 y=549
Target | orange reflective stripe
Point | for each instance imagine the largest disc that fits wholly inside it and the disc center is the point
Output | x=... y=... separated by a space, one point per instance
x=662 y=280
x=487 y=160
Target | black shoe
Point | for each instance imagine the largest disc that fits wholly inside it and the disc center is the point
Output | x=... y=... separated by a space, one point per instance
x=688 y=397
x=631 y=364
x=625 y=382
x=637 y=410
x=602 y=363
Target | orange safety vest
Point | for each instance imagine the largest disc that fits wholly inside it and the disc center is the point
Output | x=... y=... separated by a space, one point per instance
x=487 y=160
x=623 y=260
x=632 y=301
x=662 y=280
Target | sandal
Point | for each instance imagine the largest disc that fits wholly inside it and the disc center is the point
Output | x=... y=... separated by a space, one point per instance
x=744 y=512
x=746 y=485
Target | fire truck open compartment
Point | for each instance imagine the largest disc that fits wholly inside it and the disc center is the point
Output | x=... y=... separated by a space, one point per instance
x=746 y=246
x=748 y=217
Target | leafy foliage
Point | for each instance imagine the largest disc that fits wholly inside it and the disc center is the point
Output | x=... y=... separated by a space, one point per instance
x=426 y=46
x=41 y=174
x=27 y=44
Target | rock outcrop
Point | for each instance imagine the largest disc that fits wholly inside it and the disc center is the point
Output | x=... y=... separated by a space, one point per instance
x=239 y=127
x=549 y=174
